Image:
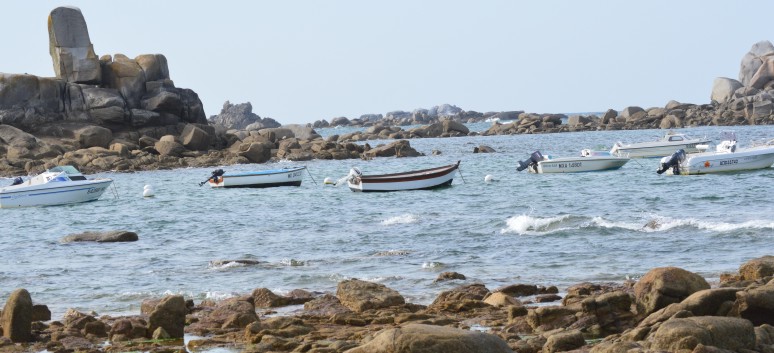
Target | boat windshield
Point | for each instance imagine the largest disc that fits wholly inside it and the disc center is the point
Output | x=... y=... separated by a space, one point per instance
x=728 y=136
x=68 y=169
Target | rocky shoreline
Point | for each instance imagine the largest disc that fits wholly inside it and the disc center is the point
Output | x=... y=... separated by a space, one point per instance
x=116 y=113
x=668 y=309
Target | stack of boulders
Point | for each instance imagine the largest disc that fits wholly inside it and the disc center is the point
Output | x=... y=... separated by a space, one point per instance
x=430 y=116
x=669 y=309
x=123 y=114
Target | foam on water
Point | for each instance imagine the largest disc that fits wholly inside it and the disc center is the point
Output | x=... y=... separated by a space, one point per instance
x=402 y=219
x=529 y=225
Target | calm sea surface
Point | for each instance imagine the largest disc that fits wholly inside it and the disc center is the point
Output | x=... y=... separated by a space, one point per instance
x=522 y=228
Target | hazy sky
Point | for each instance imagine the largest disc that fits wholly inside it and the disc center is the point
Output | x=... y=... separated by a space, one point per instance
x=301 y=61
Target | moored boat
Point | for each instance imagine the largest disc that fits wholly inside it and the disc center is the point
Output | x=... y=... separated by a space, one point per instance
x=727 y=157
x=256 y=179
x=670 y=142
x=588 y=161
x=424 y=179
x=56 y=186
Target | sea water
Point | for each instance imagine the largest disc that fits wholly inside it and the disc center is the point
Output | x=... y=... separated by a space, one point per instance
x=544 y=229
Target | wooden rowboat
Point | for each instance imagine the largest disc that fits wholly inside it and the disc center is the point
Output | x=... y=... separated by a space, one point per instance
x=414 y=180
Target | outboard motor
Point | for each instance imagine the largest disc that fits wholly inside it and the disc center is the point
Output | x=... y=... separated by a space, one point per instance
x=533 y=160
x=17 y=181
x=215 y=175
x=672 y=162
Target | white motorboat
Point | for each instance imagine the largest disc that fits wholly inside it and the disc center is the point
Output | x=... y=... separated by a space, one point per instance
x=588 y=161
x=727 y=157
x=424 y=179
x=257 y=179
x=56 y=186
x=664 y=146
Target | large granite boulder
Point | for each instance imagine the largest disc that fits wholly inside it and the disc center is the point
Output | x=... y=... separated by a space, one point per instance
x=400 y=148
x=114 y=236
x=756 y=305
x=154 y=66
x=361 y=295
x=70 y=47
x=432 y=339
x=195 y=138
x=105 y=105
x=93 y=136
x=723 y=89
x=17 y=316
x=733 y=334
x=764 y=75
x=28 y=101
x=753 y=60
x=754 y=269
x=239 y=116
x=665 y=285
x=125 y=75
x=302 y=132
x=169 y=314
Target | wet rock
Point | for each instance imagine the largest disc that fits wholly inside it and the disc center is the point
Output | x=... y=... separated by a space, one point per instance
x=219 y=263
x=361 y=295
x=756 y=304
x=708 y=302
x=169 y=315
x=40 y=312
x=686 y=333
x=757 y=268
x=499 y=299
x=400 y=148
x=546 y=318
x=265 y=298
x=432 y=339
x=446 y=276
x=519 y=290
x=127 y=329
x=663 y=286
x=564 y=341
x=459 y=299
x=325 y=305
x=102 y=237
x=483 y=149
x=17 y=316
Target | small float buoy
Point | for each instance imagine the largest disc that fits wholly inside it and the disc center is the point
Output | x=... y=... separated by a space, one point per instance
x=328 y=181
x=147 y=191
x=488 y=178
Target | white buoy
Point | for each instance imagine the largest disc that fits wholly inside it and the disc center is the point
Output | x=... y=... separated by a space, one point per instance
x=147 y=191
x=328 y=181
x=488 y=178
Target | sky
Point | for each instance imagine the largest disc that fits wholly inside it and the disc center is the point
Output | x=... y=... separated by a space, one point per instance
x=302 y=61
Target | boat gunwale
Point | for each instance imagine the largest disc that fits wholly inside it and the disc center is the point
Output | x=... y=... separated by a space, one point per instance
x=263 y=173
x=411 y=175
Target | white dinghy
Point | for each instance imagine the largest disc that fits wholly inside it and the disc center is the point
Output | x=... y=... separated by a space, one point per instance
x=670 y=142
x=256 y=179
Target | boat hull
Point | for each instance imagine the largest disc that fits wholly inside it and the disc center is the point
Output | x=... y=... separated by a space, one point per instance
x=707 y=163
x=46 y=195
x=580 y=164
x=262 y=179
x=419 y=180
x=657 y=149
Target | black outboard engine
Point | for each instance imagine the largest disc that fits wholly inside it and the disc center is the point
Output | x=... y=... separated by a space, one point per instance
x=672 y=162
x=215 y=175
x=533 y=160
x=17 y=181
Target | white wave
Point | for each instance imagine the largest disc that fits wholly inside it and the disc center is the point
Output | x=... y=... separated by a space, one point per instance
x=660 y=224
x=433 y=264
x=402 y=219
x=525 y=224
x=218 y=296
x=292 y=262
x=604 y=223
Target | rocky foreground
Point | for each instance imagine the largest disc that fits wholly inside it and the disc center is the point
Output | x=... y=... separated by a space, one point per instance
x=667 y=310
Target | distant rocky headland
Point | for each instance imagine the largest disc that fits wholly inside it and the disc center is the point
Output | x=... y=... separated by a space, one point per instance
x=126 y=114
